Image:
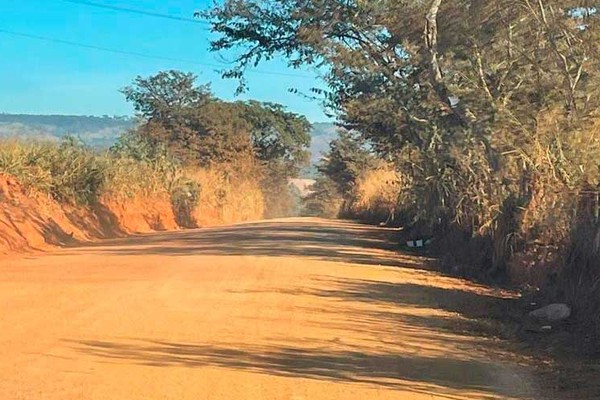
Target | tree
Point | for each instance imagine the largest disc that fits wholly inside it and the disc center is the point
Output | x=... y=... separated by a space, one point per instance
x=345 y=161
x=280 y=140
x=166 y=96
x=324 y=200
x=277 y=134
x=480 y=104
x=197 y=126
x=194 y=126
x=199 y=129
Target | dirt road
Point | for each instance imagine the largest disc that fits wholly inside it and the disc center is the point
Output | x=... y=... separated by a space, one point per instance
x=301 y=309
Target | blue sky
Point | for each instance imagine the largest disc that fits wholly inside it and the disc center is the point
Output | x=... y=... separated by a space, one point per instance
x=52 y=78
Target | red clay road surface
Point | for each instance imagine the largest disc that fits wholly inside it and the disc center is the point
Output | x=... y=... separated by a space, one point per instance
x=300 y=309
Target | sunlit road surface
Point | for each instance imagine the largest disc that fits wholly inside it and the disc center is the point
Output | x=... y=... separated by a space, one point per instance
x=300 y=309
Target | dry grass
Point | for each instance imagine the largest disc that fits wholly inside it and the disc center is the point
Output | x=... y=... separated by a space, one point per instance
x=376 y=194
x=229 y=194
x=72 y=172
x=130 y=194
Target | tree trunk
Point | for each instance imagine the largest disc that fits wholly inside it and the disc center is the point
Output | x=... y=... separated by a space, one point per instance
x=464 y=115
x=431 y=35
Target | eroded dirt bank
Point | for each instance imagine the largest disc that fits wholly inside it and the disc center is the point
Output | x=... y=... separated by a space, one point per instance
x=292 y=309
x=32 y=221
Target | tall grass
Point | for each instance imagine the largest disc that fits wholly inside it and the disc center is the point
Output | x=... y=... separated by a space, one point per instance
x=70 y=172
x=376 y=194
x=230 y=193
x=67 y=171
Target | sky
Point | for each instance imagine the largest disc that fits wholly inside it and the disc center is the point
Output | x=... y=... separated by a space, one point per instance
x=52 y=77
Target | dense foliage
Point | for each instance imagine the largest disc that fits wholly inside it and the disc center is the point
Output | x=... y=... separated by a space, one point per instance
x=71 y=172
x=487 y=109
x=184 y=138
x=201 y=130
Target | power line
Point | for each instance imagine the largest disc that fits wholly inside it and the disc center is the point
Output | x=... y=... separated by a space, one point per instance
x=137 y=54
x=137 y=11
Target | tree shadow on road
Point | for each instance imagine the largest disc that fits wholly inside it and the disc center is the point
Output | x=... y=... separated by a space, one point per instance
x=471 y=303
x=436 y=376
x=482 y=312
x=337 y=241
x=368 y=308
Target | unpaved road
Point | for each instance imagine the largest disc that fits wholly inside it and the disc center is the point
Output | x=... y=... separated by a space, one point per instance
x=301 y=309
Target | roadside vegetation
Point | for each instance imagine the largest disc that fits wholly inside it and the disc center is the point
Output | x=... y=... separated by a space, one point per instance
x=214 y=161
x=474 y=123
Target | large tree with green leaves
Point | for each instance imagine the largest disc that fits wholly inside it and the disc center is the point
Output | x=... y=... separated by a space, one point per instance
x=480 y=103
x=346 y=160
x=277 y=134
x=199 y=129
x=280 y=139
x=187 y=119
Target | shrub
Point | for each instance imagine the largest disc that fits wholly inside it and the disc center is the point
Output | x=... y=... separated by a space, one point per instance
x=376 y=194
x=185 y=196
x=67 y=171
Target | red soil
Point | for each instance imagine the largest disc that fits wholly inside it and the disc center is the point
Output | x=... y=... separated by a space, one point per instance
x=31 y=221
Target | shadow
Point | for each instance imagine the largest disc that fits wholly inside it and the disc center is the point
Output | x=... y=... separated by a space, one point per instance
x=53 y=234
x=21 y=229
x=471 y=303
x=108 y=221
x=441 y=349
x=335 y=241
x=430 y=375
x=470 y=313
x=101 y=223
x=23 y=225
x=155 y=223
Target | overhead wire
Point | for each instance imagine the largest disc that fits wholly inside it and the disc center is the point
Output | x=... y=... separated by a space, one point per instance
x=137 y=11
x=138 y=54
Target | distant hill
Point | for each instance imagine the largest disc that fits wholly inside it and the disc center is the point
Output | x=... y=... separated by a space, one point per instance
x=322 y=134
x=103 y=131
x=94 y=131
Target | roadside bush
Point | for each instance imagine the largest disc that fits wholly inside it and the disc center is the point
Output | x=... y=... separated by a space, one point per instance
x=185 y=197
x=324 y=200
x=71 y=172
x=375 y=196
x=230 y=193
x=68 y=171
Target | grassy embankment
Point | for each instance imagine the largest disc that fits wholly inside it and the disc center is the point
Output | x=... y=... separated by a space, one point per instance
x=55 y=194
